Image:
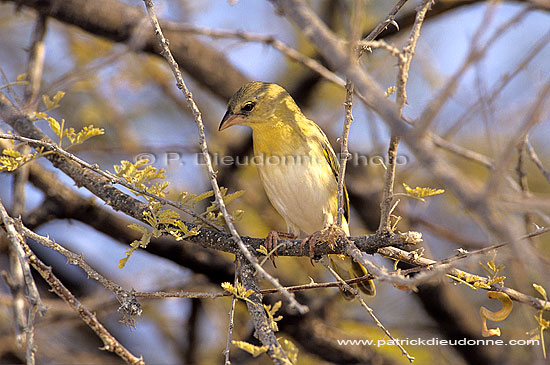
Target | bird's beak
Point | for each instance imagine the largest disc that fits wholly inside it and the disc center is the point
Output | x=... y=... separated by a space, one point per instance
x=230 y=119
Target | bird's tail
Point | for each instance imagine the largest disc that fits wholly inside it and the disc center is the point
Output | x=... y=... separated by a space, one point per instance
x=347 y=268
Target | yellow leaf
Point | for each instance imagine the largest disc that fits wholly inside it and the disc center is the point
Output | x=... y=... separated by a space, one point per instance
x=84 y=134
x=250 y=348
x=238 y=290
x=390 y=91
x=54 y=125
x=138 y=228
x=541 y=290
x=271 y=315
x=230 y=197
x=39 y=116
x=237 y=214
x=290 y=349
x=122 y=262
x=10 y=159
x=203 y=196
x=47 y=101
x=420 y=193
x=13 y=153
x=21 y=77
x=58 y=96
x=53 y=102
x=227 y=286
x=543 y=323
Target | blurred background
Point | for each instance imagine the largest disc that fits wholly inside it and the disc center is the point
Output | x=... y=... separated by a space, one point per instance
x=129 y=91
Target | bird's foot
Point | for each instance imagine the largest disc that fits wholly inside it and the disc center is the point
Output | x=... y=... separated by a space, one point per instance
x=271 y=242
x=329 y=234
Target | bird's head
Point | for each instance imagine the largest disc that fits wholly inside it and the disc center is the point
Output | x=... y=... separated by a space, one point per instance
x=258 y=103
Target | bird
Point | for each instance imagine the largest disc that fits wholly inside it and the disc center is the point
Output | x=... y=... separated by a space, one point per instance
x=297 y=166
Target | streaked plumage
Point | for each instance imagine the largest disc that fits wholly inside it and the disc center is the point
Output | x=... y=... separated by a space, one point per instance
x=300 y=169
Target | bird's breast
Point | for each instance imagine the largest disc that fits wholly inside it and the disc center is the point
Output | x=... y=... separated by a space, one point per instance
x=300 y=185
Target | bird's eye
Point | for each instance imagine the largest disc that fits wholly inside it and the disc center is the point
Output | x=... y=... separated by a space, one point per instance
x=248 y=106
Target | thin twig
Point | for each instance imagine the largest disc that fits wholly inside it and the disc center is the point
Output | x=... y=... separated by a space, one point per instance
x=381 y=326
x=73 y=258
x=536 y=160
x=390 y=19
x=320 y=285
x=208 y=162
x=474 y=55
x=181 y=294
x=522 y=179
x=35 y=67
x=479 y=158
x=220 y=294
x=532 y=118
x=344 y=153
x=407 y=54
x=404 y=60
x=227 y=349
x=367 y=308
x=109 y=341
x=8 y=85
x=282 y=47
x=129 y=306
x=466 y=254
x=380 y=44
x=348 y=117
x=413 y=259
x=17 y=241
x=382 y=274
x=389 y=180
x=498 y=87
x=461 y=151
x=341 y=282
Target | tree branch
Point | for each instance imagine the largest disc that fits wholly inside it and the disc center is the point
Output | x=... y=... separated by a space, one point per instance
x=397 y=254
x=117 y=21
x=109 y=341
x=264 y=332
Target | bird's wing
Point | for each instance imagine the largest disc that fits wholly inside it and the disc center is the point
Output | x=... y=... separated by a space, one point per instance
x=332 y=160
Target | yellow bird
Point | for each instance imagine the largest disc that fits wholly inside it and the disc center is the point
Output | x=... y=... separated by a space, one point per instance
x=297 y=166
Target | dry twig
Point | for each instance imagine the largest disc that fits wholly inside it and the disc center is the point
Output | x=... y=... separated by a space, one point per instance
x=367 y=308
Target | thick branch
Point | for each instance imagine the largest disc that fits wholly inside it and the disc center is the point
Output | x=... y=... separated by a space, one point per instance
x=263 y=332
x=98 y=185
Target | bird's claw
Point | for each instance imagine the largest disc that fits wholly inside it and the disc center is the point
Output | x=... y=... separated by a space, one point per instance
x=313 y=239
x=271 y=242
x=329 y=234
